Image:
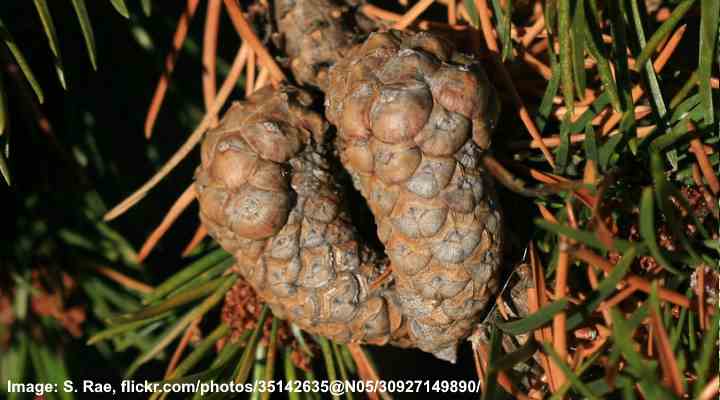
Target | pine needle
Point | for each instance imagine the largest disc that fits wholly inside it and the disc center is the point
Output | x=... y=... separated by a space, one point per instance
x=409 y=17
x=172 y=215
x=170 y=61
x=209 y=52
x=198 y=236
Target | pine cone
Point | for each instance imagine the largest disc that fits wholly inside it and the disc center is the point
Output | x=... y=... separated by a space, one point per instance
x=315 y=34
x=267 y=196
x=413 y=119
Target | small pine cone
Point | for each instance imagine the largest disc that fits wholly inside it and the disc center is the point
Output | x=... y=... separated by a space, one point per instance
x=315 y=34
x=268 y=197
x=413 y=119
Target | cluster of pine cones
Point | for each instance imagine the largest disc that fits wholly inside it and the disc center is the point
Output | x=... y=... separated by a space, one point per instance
x=408 y=119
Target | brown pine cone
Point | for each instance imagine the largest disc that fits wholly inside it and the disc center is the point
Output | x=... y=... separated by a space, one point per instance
x=413 y=119
x=315 y=35
x=267 y=196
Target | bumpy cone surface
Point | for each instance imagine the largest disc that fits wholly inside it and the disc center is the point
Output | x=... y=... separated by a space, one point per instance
x=413 y=119
x=315 y=37
x=267 y=196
